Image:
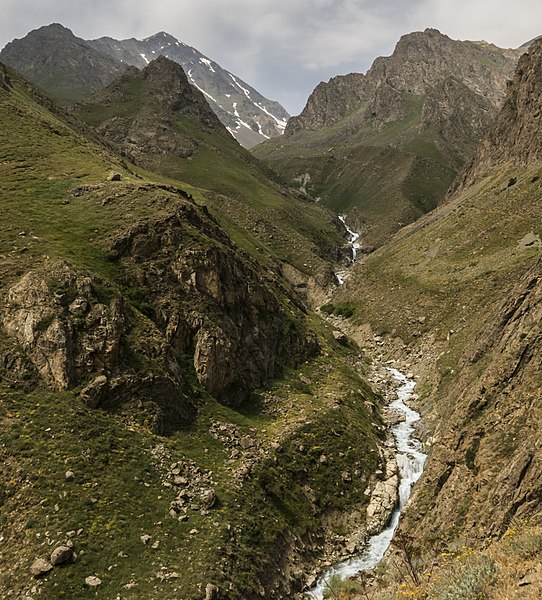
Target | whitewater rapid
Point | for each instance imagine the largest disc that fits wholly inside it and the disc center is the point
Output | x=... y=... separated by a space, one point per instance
x=410 y=461
x=354 y=245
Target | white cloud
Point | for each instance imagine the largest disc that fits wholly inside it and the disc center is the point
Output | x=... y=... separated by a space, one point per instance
x=282 y=47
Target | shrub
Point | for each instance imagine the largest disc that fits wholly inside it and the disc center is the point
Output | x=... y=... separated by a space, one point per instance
x=468 y=581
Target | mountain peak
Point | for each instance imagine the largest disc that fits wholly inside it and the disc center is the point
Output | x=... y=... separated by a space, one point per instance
x=53 y=30
x=55 y=27
x=161 y=36
x=154 y=105
x=64 y=65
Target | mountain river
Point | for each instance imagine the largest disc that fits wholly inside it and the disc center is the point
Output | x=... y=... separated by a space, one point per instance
x=410 y=461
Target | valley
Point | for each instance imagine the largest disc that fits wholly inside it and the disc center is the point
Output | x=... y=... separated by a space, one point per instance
x=222 y=371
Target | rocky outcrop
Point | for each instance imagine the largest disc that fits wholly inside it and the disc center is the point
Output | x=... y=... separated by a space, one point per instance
x=59 y=322
x=384 y=496
x=329 y=102
x=517 y=131
x=186 y=292
x=211 y=303
x=73 y=336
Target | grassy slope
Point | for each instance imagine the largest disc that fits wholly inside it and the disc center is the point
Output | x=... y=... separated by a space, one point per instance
x=116 y=495
x=450 y=264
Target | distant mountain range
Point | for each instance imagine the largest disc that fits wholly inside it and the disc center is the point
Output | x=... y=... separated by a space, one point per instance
x=71 y=69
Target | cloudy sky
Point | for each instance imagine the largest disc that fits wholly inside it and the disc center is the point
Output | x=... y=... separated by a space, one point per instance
x=283 y=48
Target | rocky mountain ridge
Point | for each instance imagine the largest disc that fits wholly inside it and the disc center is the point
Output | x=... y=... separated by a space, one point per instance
x=57 y=61
x=419 y=62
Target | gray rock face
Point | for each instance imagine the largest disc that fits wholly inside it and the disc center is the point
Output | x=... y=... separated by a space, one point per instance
x=223 y=309
x=68 y=348
x=420 y=62
x=384 y=497
x=517 y=130
x=65 y=66
x=36 y=315
x=207 y=499
x=211 y=592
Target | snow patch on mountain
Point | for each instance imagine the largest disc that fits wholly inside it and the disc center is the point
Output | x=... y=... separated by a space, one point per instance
x=207 y=62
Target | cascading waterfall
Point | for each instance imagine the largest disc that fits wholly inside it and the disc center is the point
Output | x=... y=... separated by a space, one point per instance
x=410 y=461
x=355 y=246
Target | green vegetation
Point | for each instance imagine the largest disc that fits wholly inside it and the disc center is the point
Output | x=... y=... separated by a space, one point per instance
x=382 y=176
x=341 y=310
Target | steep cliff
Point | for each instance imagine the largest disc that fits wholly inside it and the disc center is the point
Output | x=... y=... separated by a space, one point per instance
x=486 y=465
x=515 y=135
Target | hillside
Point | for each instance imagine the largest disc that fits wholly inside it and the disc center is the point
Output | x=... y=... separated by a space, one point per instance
x=165 y=397
x=385 y=146
x=71 y=69
x=458 y=294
